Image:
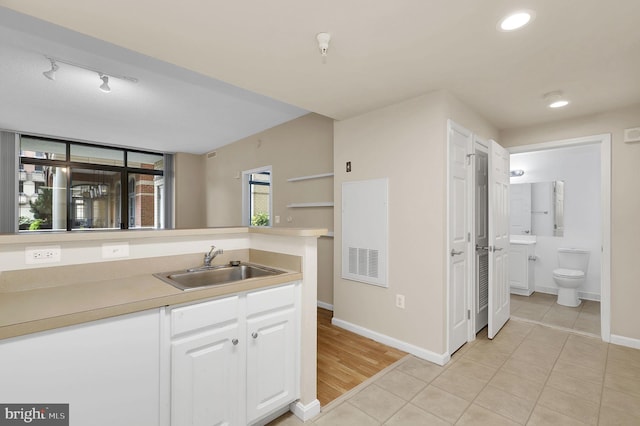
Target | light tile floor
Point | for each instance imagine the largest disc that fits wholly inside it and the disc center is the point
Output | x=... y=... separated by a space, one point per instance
x=542 y=308
x=528 y=375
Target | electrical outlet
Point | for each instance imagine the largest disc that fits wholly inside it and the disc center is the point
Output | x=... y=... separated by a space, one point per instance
x=115 y=250
x=48 y=254
x=277 y=218
x=400 y=301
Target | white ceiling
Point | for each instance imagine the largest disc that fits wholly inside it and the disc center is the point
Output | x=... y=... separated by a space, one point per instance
x=381 y=52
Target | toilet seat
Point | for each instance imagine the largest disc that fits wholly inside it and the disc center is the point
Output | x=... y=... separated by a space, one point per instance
x=568 y=273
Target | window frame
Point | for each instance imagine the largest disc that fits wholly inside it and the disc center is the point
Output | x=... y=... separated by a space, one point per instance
x=125 y=172
x=246 y=194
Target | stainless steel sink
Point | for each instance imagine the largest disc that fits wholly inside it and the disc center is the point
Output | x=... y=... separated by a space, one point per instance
x=209 y=276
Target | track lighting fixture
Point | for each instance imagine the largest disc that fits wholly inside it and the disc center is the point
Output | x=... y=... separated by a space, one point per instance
x=51 y=74
x=105 y=83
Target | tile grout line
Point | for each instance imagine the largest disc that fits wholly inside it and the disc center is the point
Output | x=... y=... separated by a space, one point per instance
x=547 y=380
x=604 y=376
x=494 y=374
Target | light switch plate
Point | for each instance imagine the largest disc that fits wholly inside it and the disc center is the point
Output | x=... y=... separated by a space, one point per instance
x=115 y=250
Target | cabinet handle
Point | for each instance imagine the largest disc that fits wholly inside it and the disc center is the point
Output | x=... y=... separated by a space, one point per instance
x=455 y=252
x=254 y=335
x=234 y=341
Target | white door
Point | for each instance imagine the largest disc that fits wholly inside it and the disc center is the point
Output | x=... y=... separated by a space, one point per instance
x=459 y=140
x=271 y=362
x=498 y=238
x=205 y=374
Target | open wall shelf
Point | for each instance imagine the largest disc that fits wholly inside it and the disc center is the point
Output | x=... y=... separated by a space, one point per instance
x=305 y=205
x=322 y=175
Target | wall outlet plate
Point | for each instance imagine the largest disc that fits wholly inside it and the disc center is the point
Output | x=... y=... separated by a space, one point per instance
x=400 y=301
x=44 y=254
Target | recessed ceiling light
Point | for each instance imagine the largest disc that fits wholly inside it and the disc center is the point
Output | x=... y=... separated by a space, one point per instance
x=516 y=20
x=559 y=104
x=555 y=99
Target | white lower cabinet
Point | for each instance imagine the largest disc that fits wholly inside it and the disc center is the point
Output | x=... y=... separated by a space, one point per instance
x=106 y=370
x=205 y=365
x=235 y=360
x=521 y=269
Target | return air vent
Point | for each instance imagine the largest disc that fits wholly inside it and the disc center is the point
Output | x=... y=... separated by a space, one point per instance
x=365 y=231
x=364 y=262
x=212 y=154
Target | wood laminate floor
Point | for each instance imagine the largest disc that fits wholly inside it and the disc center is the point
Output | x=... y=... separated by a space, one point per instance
x=346 y=359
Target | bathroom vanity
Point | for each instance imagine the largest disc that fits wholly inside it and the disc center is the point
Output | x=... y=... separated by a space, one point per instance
x=521 y=268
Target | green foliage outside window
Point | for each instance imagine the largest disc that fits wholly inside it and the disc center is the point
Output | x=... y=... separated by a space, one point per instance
x=260 y=219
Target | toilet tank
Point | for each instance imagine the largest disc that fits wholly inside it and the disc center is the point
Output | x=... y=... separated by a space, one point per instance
x=573 y=258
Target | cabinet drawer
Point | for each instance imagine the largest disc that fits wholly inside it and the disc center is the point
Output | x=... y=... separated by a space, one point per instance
x=272 y=298
x=193 y=317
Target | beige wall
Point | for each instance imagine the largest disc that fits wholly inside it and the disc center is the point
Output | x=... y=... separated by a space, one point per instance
x=406 y=143
x=300 y=147
x=189 y=191
x=625 y=203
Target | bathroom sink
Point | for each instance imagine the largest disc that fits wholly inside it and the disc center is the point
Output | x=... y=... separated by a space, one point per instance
x=210 y=276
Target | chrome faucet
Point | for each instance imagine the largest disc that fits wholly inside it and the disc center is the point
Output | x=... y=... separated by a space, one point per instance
x=208 y=257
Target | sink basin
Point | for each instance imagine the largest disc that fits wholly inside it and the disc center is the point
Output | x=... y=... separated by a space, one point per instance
x=191 y=279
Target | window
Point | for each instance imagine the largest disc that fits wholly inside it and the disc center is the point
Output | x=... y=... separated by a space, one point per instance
x=257 y=197
x=72 y=186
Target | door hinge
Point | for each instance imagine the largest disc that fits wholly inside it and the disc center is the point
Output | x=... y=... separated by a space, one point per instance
x=469 y=314
x=468 y=237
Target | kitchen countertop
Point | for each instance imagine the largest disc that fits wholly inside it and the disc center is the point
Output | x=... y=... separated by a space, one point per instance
x=25 y=312
x=76 y=294
x=63 y=236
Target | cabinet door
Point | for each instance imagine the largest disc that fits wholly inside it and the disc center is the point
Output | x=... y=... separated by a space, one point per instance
x=272 y=362
x=518 y=269
x=106 y=370
x=204 y=378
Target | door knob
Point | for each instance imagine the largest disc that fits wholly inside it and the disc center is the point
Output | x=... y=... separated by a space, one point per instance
x=455 y=252
x=254 y=335
x=495 y=249
x=234 y=341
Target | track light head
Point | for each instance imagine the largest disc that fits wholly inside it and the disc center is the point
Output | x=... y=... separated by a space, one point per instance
x=105 y=83
x=51 y=74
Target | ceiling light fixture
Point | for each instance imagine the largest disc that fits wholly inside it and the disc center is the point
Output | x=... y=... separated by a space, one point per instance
x=516 y=173
x=105 y=83
x=51 y=74
x=516 y=20
x=103 y=76
x=555 y=99
x=323 y=43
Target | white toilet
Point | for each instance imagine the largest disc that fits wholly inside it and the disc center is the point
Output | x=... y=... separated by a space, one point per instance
x=571 y=273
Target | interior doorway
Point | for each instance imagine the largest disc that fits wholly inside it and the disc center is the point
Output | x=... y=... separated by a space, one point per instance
x=603 y=248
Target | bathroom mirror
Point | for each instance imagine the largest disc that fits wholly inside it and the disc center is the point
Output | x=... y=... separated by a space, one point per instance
x=537 y=208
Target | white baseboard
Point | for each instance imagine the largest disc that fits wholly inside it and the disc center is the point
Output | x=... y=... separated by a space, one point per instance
x=585 y=295
x=520 y=292
x=305 y=412
x=625 y=341
x=325 y=305
x=440 y=359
